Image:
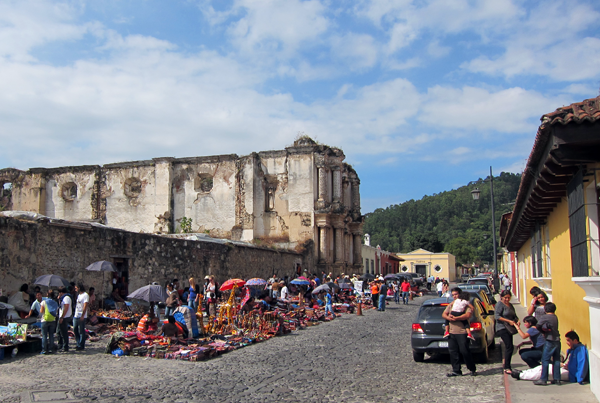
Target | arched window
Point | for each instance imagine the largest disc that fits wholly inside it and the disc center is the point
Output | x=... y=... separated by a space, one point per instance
x=132 y=187
x=203 y=183
x=69 y=191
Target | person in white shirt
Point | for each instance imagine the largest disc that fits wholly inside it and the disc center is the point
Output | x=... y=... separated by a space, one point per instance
x=440 y=288
x=80 y=316
x=65 y=318
x=284 y=293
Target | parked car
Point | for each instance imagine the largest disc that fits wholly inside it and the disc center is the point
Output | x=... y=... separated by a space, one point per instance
x=428 y=330
x=416 y=278
x=480 y=294
x=482 y=281
x=464 y=278
x=485 y=288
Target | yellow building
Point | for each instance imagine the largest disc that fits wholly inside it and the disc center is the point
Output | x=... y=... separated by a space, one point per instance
x=553 y=230
x=421 y=261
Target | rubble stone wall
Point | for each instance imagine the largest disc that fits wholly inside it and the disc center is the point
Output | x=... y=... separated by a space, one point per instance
x=31 y=248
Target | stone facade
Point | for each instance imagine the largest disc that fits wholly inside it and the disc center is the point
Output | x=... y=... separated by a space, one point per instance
x=33 y=245
x=285 y=198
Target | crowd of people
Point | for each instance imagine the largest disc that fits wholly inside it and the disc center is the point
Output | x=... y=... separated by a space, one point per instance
x=541 y=332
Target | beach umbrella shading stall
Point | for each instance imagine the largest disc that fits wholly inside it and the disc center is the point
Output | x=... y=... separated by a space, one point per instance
x=51 y=280
x=102 y=266
x=300 y=281
x=234 y=282
x=149 y=293
x=256 y=286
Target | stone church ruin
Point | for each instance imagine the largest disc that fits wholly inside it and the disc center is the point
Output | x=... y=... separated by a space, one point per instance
x=301 y=197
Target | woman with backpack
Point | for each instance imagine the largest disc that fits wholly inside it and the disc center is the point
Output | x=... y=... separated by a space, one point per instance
x=48 y=313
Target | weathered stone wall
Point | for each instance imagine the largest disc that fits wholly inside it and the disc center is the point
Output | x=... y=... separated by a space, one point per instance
x=31 y=248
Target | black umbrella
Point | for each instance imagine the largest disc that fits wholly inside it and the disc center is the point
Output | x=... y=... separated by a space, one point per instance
x=150 y=293
x=333 y=285
x=102 y=266
x=321 y=288
x=346 y=286
x=392 y=277
x=345 y=280
x=367 y=276
x=51 y=280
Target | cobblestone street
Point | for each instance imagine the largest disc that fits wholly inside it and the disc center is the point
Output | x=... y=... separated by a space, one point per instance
x=352 y=359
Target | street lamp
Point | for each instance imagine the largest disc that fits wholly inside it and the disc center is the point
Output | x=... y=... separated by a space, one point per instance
x=475 y=193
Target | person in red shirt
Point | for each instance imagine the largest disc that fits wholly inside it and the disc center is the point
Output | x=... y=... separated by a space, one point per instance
x=405 y=287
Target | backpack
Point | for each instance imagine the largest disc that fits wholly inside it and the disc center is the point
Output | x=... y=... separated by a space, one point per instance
x=51 y=310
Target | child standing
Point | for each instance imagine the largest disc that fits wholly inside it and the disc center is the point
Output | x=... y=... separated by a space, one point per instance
x=459 y=307
x=548 y=325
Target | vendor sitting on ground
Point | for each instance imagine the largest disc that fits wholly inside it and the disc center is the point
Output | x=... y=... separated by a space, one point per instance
x=149 y=323
x=170 y=329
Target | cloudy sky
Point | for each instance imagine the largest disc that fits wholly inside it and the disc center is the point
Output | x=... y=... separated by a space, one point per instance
x=422 y=95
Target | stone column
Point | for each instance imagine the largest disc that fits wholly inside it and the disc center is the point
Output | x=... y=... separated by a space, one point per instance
x=322 y=172
x=355 y=195
x=339 y=246
x=322 y=244
x=337 y=184
x=357 y=249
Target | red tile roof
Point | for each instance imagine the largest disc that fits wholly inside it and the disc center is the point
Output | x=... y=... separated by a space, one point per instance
x=579 y=112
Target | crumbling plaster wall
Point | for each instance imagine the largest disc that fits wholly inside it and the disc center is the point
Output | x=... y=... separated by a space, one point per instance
x=125 y=206
x=29 y=249
x=211 y=207
x=57 y=205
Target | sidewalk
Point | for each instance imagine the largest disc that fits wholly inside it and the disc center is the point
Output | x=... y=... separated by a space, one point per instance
x=526 y=391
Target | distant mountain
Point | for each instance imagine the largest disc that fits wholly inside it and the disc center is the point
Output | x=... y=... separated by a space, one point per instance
x=446 y=222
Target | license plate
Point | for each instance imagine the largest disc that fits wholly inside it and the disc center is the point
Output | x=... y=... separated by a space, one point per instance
x=443 y=344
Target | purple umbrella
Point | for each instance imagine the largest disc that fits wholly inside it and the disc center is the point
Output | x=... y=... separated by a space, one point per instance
x=256 y=282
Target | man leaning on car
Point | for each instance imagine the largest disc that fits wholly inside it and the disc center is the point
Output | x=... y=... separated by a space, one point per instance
x=457 y=341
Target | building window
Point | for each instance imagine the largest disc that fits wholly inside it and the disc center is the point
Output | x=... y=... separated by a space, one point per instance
x=203 y=183
x=437 y=269
x=372 y=266
x=69 y=191
x=404 y=269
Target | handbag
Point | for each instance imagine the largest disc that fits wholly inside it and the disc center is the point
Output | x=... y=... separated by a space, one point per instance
x=510 y=328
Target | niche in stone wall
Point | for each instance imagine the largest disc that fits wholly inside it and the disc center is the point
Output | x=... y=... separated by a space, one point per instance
x=132 y=187
x=271 y=183
x=203 y=183
x=69 y=191
x=5 y=196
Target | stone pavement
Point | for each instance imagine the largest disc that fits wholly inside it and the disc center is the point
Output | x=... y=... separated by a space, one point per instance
x=527 y=392
x=351 y=359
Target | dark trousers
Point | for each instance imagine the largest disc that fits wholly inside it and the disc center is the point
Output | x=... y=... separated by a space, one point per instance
x=458 y=345
x=375 y=298
x=532 y=356
x=63 y=334
x=551 y=353
x=509 y=347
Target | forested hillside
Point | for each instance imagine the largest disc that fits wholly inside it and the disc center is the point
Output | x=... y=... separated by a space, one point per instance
x=446 y=222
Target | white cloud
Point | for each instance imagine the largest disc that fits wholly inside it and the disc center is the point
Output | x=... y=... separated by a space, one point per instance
x=359 y=51
x=476 y=109
x=548 y=42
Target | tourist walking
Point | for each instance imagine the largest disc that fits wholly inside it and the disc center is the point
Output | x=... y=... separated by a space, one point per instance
x=507 y=323
x=80 y=316
x=396 y=288
x=457 y=341
x=439 y=288
x=405 y=291
x=382 y=294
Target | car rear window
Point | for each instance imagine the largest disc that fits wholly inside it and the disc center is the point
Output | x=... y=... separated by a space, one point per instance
x=478 y=281
x=429 y=312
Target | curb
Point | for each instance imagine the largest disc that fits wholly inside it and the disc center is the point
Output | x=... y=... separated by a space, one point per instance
x=507 y=396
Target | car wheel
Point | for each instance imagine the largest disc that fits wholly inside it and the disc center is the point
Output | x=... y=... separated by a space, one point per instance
x=483 y=356
x=418 y=357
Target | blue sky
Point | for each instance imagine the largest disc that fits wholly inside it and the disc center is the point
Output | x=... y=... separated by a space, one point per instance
x=422 y=96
